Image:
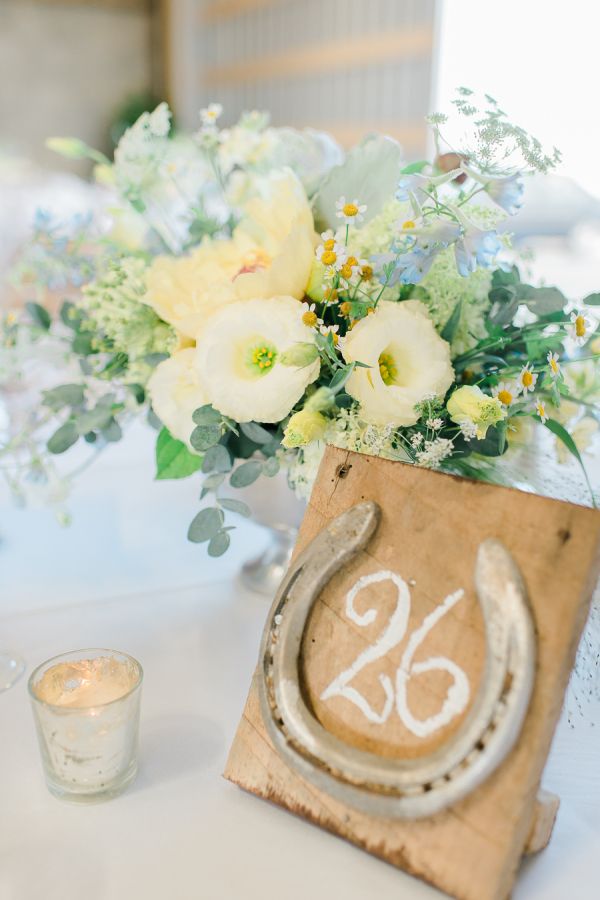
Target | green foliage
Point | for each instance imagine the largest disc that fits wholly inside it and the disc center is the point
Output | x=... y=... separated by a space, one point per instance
x=236 y=506
x=63 y=395
x=219 y=543
x=63 y=438
x=39 y=315
x=173 y=459
x=217 y=459
x=205 y=525
x=356 y=177
x=494 y=443
x=247 y=473
x=451 y=327
x=563 y=435
x=256 y=432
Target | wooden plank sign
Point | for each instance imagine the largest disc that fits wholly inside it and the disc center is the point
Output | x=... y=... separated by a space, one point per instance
x=414 y=665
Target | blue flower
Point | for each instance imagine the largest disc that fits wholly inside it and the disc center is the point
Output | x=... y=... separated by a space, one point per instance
x=476 y=248
x=507 y=192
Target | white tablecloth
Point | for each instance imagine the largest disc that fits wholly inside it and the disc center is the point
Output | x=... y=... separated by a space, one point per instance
x=124 y=576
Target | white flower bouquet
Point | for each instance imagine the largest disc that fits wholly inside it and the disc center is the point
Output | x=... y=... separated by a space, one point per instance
x=257 y=293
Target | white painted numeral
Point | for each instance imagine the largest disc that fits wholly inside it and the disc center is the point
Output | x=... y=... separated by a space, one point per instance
x=457 y=695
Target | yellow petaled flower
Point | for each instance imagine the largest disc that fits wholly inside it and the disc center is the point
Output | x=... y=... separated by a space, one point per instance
x=329 y=257
x=176 y=390
x=346 y=271
x=540 y=409
x=270 y=254
x=527 y=379
x=329 y=244
x=505 y=393
x=309 y=315
x=468 y=404
x=345 y=308
x=239 y=359
x=304 y=426
x=366 y=272
x=553 y=363
x=407 y=360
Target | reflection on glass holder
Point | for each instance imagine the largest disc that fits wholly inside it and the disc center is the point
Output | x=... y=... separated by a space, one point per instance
x=12 y=667
x=263 y=574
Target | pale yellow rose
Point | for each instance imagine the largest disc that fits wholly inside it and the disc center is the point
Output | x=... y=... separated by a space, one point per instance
x=270 y=254
x=304 y=426
x=468 y=404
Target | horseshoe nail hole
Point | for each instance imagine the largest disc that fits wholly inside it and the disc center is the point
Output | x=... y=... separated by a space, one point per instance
x=564 y=534
x=480 y=746
x=342 y=471
x=427 y=788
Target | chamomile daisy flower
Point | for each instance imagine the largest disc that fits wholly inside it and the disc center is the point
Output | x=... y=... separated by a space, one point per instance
x=506 y=392
x=434 y=424
x=350 y=212
x=333 y=331
x=309 y=315
x=331 y=254
x=580 y=326
x=210 y=114
x=553 y=364
x=540 y=408
x=527 y=379
x=351 y=268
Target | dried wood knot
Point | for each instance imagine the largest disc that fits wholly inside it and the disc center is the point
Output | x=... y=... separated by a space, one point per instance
x=342 y=470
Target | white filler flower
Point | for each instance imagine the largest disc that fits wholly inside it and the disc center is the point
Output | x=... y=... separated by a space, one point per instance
x=407 y=358
x=175 y=392
x=238 y=359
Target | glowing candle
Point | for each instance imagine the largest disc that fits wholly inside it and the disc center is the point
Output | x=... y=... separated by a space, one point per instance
x=86 y=708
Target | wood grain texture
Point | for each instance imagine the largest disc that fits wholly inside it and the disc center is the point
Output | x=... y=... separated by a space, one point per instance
x=431 y=527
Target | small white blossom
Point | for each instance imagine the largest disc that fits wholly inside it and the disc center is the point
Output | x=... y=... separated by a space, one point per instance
x=527 y=379
x=435 y=424
x=416 y=440
x=468 y=429
x=435 y=452
x=553 y=363
x=506 y=392
x=540 y=409
x=210 y=115
x=580 y=326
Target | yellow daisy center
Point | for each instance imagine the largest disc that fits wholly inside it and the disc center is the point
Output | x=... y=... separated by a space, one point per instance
x=387 y=368
x=330 y=295
x=554 y=365
x=352 y=261
x=408 y=225
x=346 y=271
x=526 y=379
x=505 y=397
x=580 y=328
x=328 y=257
x=345 y=308
x=350 y=210
x=310 y=318
x=329 y=244
x=366 y=272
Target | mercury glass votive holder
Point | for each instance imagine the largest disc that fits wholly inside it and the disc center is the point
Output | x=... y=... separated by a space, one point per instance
x=86 y=706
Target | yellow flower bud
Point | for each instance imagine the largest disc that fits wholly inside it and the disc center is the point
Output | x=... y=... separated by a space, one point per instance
x=470 y=404
x=304 y=426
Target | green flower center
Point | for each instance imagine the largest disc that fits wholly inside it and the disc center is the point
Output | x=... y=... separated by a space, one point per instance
x=261 y=358
x=388 y=368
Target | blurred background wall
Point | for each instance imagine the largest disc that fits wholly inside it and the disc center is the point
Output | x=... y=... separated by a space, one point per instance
x=69 y=67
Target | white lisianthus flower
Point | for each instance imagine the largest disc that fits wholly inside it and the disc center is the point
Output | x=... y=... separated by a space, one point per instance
x=176 y=391
x=238 y=358
x=408 y=360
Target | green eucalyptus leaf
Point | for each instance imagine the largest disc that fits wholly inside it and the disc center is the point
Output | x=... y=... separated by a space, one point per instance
x=236 y=506
x=112 y=432
x=205 y=436
x=39 y=314
x=173 y=459
x=212 y=482
x=493 y=444
x=205 y=525
x=63 y=395
x=219 y=544
x=217 y=459
x=63 y=438
x=206 y=415
x=271 y=467
x=415 y=167
x=247 y=473
x=591 y=300
x=256 y=432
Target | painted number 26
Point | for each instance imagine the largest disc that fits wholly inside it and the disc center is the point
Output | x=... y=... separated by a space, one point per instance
x=457 y=696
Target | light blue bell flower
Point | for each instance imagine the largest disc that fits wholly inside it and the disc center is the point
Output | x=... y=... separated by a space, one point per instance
x=476 y=248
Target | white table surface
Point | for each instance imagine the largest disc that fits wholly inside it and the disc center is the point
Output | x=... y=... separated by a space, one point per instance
x=124 y=576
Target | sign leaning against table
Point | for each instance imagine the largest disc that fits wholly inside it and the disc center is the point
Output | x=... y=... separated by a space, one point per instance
x=413 y=668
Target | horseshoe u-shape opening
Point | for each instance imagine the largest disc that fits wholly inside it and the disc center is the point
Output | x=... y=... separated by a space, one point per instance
x=410 y=788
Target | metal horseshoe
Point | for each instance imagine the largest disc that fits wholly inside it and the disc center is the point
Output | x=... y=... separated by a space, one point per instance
x=411 y=788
